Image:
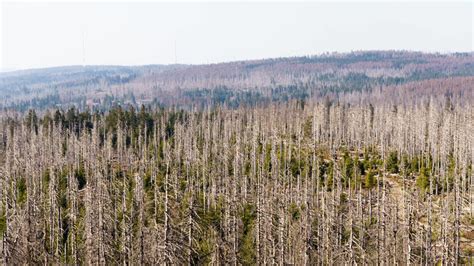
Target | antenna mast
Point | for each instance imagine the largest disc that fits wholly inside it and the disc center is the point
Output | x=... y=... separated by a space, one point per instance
x=175 y=54
x=83 y=49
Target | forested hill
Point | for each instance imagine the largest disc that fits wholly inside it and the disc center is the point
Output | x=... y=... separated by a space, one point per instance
x=353 y=76
x=363 y=158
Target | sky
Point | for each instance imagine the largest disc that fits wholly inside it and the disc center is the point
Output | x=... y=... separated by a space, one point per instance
x=36 y=34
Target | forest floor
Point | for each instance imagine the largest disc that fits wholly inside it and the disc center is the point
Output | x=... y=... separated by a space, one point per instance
x=397 y=192
x=467 y=226
x=396 y=188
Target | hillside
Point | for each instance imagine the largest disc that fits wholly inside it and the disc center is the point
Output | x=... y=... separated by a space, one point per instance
x=362 y=158
x=288 y=183
x=235 y=83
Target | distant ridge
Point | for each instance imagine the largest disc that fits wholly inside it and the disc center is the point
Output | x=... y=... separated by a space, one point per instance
x=334 y=75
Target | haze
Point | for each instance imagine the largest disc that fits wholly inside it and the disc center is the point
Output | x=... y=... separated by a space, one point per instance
x=54 y=34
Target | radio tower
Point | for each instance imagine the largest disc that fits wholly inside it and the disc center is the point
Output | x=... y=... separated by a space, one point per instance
x=175 y=54
x=83 y=49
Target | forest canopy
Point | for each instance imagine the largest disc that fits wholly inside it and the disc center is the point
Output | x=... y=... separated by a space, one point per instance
x=298 y=183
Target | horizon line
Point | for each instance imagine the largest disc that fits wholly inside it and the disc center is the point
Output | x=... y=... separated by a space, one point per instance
x=327 y=53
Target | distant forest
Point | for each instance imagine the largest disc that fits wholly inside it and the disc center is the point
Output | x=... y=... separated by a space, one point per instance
x=394 y=75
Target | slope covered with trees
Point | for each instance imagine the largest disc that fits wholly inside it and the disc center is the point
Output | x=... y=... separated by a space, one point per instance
x=359 y=158
x=232 y=84
x=302 y=182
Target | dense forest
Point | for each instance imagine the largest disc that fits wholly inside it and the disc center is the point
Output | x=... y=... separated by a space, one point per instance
x=303 y=182
x=337 y=159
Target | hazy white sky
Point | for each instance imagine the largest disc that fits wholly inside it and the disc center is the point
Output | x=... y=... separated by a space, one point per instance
x=52 y=34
